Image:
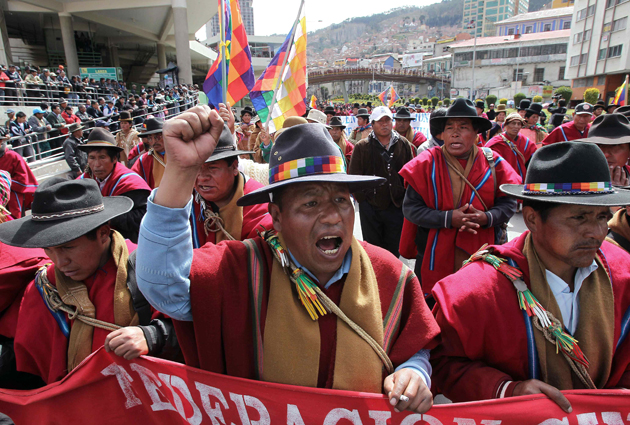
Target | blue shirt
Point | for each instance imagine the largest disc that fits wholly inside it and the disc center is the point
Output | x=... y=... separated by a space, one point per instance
x=164 y=259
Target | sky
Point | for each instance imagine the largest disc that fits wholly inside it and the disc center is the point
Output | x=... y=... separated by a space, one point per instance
x=277 y=16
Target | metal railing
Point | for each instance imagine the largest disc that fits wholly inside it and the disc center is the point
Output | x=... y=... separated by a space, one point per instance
x=49 y=149
x=23 y=93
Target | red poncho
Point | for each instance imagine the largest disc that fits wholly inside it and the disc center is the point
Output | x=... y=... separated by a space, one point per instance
x=40 y=346
x=484 y=341
x=522 y=143
x=255 y=218
x=229 y=311
x=144 y=168
x=120 y=181
x=428 y=175
x=23 y=183
x=17 y=268
x=565 y=133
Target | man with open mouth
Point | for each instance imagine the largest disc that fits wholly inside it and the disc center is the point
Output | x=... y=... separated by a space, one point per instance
x=302 y=304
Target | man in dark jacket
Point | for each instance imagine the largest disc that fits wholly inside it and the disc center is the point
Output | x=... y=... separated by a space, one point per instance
x=383 y=153
x=75 y=157
x=57 y=122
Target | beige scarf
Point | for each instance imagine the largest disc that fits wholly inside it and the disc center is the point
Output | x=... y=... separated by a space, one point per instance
x=75 y=294
x=292 y=340
x=457 y=182
x=619 y=225
x=159 y=165
x=595 y=330
x=230 y=217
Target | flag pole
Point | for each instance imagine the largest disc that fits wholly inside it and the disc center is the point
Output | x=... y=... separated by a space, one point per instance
x=223 y=51
x=284 y=65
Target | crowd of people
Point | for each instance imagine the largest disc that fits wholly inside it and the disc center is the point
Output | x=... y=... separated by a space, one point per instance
x=232 y=250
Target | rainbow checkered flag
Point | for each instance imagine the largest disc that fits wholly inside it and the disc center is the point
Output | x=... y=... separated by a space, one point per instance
x=393 y=98
x=240 y=72
x=313 y=102
x=290 y=97
x=383 y=96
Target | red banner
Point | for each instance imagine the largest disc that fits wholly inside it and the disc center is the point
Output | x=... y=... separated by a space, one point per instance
x=106 y=389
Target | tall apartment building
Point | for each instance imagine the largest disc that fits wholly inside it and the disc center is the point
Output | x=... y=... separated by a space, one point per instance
x=598 y=47
x=247 y=14
x=485 y=13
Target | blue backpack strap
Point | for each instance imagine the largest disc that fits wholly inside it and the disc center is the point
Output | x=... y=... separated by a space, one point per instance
x=43 y=287
x=533 y=365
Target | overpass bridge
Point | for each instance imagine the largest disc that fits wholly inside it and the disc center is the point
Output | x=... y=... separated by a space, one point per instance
x=407 y=82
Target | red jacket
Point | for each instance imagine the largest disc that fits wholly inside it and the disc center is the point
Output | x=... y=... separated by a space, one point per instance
x=484 y=341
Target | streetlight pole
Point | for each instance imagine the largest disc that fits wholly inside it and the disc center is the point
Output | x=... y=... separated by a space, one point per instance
x=472 y=89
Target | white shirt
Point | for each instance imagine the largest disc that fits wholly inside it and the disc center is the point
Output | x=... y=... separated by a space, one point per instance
x=569 y=302
x=102 y=184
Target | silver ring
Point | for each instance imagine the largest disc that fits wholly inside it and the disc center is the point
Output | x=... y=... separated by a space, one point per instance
x=404 y=398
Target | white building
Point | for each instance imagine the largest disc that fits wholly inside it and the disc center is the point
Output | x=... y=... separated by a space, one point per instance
x=439 y=65
x=598 y=49
x=510 y=64
x=541 y=21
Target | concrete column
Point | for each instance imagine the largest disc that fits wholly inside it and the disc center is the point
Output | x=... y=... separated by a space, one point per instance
x=69 y=46
x=113 y=51
x=5 y=49
x=180 y=19
x=161 y=54
x=344 y=91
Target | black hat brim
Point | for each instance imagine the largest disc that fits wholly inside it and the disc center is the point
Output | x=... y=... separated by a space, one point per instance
x=484 y=124
x=402 y=117
x=227 y=154
x=533 y=111
x=146 y=133
x=355 y=183
x=621 y=197
x=363 y=115
x=605 y=140
x=99 y=145
x=28 y=233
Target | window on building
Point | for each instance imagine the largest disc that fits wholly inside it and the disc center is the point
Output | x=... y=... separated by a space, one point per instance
x=566 y=25
x=611 y=3
x=547 y=27
x=561 y=73
x=539 y=75
x=614 y=51
x=517 y=75
x=607 y=27
x=529 y=29
x=577 y=38
x=587 y=35
x=620 y=24
x=583 y=58
x=601 y=55
x=510 y=31
x=581 y=14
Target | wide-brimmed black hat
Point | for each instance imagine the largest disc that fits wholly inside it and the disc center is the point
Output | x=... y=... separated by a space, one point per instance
x=363 y=112
x=307 y=153
x=151 y=126
x=226 y=147
x=610 y=105
x=336 y=122
x=464 y=108
x=63 y=210
x=535 y=108
x=247 y=110
x=599 y=105
x=100 y=138
x=525 y=103
x=480 y=104
x=623 y=110
x=403 y=114
x=609 y=129
x=569 y=173
x=329 y=110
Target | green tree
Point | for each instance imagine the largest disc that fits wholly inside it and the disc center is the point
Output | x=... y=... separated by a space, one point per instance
x=565 y=92
x=518 y=97
x=425 y=101
x=591 y=95
x=447 y=102
x=434 y=101
x=537 y=99
x=491 y=100
x=440 y=103
x=503 y=101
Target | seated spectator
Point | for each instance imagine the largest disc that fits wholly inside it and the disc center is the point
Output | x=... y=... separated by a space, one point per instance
x=83 y=115
x=75 y=157
x=40 y=126
x=22 y=146
x=57 y=122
